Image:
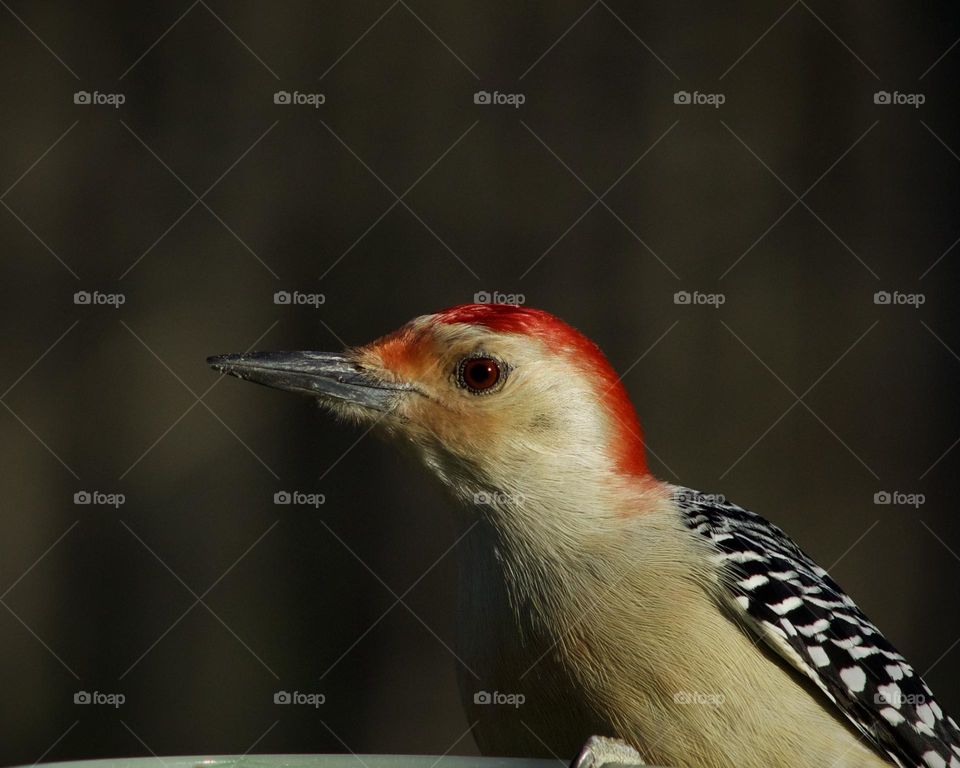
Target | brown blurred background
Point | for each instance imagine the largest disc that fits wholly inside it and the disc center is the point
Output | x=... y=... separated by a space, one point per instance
x=297 y=197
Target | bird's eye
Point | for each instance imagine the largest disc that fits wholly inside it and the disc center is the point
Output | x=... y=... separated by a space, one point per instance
x=479 y=374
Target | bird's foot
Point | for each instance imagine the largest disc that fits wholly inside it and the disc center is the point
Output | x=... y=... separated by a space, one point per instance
x=600 y=751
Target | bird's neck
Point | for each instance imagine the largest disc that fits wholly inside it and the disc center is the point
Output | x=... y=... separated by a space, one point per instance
x=539 y=528
x=530 y=572
x=548 y=512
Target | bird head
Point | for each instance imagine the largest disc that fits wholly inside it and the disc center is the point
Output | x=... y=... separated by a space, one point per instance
x=494 y=398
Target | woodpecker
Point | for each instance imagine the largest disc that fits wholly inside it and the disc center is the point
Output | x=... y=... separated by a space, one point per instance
x=640 y=620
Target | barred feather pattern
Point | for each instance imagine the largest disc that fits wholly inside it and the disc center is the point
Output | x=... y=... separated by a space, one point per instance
x=775 y=590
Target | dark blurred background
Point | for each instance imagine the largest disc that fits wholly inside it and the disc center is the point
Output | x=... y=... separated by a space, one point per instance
x=599 y=198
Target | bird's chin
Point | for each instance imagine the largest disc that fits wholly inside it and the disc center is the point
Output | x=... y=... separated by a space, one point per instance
x=384 y=418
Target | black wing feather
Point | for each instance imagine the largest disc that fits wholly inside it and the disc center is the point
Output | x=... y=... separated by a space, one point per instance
x=791 y=602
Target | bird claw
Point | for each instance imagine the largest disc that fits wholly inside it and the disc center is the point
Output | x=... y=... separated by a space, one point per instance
x=600 y=751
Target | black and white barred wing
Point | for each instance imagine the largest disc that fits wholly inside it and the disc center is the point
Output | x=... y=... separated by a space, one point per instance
x=778 y=592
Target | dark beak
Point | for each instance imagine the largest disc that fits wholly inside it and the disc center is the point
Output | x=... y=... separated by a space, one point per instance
x=327 y=375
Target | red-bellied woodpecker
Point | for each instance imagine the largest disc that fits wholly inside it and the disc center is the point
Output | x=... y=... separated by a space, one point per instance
x=618 y=605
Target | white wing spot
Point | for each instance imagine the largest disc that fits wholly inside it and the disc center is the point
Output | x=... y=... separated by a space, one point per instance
x=784 y=575
x=854 y=678
x=862 y=651
x=932 y=759
x=892 y=716
x=890 y=694
x=829 y=604
x=778 y=631
x=849 y=643
x=753 y=582
x=791 y=603
x=818 y=656
x=926 y=714
x=788 y=627
x=847 y=618
x=744 y=557
x=820 y=625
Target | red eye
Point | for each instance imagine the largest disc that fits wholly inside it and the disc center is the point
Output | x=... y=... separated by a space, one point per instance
x=479 y=373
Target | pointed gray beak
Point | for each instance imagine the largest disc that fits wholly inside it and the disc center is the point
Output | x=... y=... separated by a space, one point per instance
x=326 y=375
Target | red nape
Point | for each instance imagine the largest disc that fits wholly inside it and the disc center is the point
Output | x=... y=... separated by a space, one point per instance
x=557 y=335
